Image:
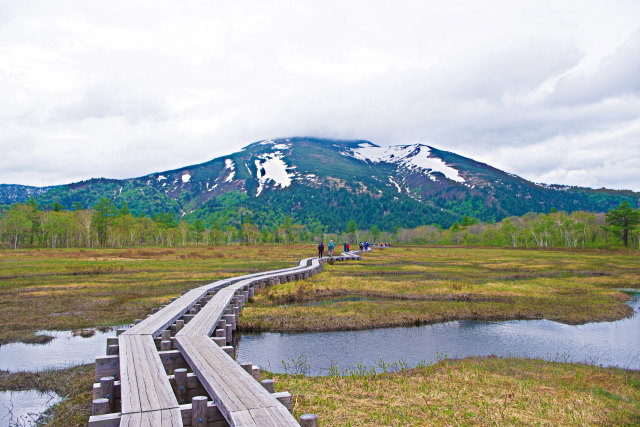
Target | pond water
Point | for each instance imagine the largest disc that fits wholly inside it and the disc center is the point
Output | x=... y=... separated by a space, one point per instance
x=600 y=343
x=64 y=351
x=24 y=408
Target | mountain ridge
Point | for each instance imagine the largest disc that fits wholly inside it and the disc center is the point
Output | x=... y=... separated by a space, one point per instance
x=302 y=177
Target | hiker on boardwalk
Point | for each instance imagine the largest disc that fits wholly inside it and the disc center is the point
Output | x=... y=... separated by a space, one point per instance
x=345 y=247
x=331 y=246
x=348 y=247
x=320 y=249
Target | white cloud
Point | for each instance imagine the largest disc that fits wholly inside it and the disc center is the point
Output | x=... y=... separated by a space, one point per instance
x=122 y=89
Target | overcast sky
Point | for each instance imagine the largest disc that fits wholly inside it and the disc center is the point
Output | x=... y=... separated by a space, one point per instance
x=548 y=90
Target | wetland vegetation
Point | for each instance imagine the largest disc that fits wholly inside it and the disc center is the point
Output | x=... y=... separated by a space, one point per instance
x=79 y=288
x=66 y=289
x=416 y=285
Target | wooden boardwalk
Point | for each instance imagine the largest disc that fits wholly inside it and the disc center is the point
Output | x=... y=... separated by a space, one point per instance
x=181 y=351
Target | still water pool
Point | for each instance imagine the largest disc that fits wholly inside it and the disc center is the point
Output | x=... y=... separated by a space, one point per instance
x=601 y=343
x=63 y=351
x=24 y=408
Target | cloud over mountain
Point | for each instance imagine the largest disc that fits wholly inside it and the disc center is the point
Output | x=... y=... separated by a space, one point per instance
x=107 y=89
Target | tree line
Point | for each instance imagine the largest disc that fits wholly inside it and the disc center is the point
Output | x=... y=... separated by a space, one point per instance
x=556 y=229
x=27 y=225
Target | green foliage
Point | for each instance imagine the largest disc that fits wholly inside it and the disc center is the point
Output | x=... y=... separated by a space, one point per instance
x=622 y=220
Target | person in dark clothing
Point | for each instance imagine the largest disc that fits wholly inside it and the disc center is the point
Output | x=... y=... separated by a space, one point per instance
x=345 y=246
x=320 y=249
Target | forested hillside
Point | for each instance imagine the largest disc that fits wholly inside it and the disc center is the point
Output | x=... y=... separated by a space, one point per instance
x=323 y=184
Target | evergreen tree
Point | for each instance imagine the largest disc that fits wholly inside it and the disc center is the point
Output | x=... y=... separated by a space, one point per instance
x=623 y=219
x=198 y=228
x=104 y=210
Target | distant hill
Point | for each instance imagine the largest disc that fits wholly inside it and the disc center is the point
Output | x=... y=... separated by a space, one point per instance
x=329 y=182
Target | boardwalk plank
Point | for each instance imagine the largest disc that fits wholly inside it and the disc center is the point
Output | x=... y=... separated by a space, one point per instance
x=144 y=383
x=166 y=417
x=235 y=391
x=147 y=396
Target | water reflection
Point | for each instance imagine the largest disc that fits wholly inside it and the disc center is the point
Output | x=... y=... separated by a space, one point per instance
x=602 y=343
x=24 y=408
x=63 y=351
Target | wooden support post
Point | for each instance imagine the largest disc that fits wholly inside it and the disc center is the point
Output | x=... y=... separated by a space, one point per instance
x=237 y=313
x=222 y=323
x=246 y=366
x=220 y=333
x=245 y=296
x=154 y=310
x=199 y=411
x=165 y=335
x=252 y=292
x=100 y=406
x=284 y=397
x=269 y=385
x=179 y=325
x=192 y=310
x=112 y=350
x=165 y=345
x=119 y=331
x=107 y=390
x=255 y=372
x=228 y=332
x=229 y=350
x=180 y=376
x=309 y=420
x=230 y=319
x=221 y=341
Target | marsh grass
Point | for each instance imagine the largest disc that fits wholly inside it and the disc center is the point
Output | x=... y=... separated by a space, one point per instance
x=75 y=385
x=474 y=391
x=67 y=289
x=418 y=285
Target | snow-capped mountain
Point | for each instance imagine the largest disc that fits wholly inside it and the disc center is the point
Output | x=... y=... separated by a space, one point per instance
x=332 y=181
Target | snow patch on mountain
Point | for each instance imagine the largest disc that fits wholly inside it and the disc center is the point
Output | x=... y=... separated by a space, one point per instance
x=161 y=177
x=271 y=167
x=186 y=177
x=411 y=157
x=228 y=164
x=396 y=184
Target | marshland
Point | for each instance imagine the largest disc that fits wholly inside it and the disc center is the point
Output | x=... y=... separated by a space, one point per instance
x=72 y=289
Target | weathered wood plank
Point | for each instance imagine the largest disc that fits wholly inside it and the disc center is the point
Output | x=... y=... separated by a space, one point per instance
x=234 y=390
x=144 y=385
x=166 y=417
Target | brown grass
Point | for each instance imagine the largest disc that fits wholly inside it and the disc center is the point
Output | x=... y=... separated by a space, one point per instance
x=81 y=288
x=475 y=391
x=416 y=285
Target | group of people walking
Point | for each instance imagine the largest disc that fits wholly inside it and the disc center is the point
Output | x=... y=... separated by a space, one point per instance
x=364 y=246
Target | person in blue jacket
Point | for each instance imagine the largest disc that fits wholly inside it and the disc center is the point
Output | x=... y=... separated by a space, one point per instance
x=331 y=246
